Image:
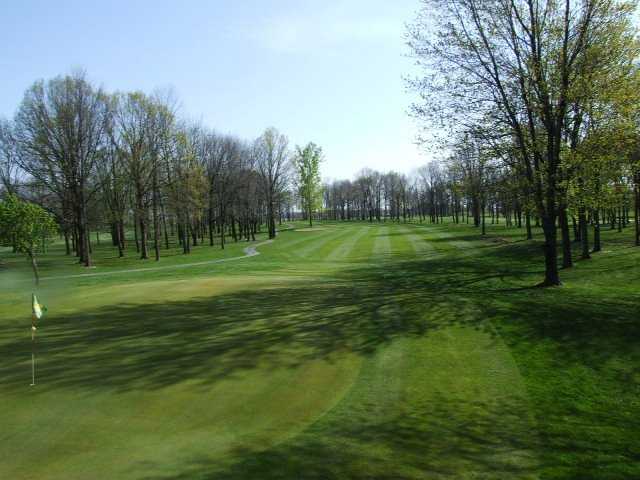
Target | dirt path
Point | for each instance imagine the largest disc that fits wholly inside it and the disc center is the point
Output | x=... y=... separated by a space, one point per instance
x=248 y=252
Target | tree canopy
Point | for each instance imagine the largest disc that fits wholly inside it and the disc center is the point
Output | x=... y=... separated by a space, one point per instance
x=26 y=227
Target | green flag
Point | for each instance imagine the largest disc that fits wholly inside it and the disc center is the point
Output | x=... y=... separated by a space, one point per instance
x=37 y=310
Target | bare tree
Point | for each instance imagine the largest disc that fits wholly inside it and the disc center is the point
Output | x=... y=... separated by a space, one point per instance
x=60 y=129
x=134 y=119
x=9 y=170
x=272 y=163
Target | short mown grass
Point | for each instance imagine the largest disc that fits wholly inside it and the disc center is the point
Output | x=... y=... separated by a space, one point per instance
x=349 y=350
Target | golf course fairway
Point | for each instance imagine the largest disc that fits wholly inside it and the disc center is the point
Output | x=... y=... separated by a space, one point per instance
x=396 y=351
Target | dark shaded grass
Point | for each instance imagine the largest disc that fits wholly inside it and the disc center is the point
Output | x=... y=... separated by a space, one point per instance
x=440 y=440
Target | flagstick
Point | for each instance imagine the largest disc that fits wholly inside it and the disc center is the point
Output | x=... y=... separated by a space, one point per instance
x=33 y=355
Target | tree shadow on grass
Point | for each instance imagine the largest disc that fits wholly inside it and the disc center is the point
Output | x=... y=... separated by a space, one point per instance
x=444 y=438
x=133 y=346
x=147 y=346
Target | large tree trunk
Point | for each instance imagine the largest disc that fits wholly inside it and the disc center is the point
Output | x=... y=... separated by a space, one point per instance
x=144 y=253
x=121 y=234
x=211 y=224
x=271 y=219
x=551 y=274
x=67 y=246
x=78 y=243
x=194 y=233
x=119 y=241
x=567 y=261
x=184 y=233
x=135 y=232
x=85 y=255
x=596 y=231
x=114 y=233
x=221 y=226
x=164 y=226
x=584 y=234
x=156 y=223
x=547 y=201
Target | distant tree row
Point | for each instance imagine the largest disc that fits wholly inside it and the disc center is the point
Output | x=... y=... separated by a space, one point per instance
x=125 y=162
x=428 y=194
x=467 y=188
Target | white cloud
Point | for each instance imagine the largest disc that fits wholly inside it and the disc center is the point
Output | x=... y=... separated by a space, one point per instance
x=313 y=30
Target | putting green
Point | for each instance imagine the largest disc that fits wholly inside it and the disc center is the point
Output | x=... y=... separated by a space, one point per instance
x=303 y=362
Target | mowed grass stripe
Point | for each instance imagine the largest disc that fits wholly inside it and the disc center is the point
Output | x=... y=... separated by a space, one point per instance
x=363 y=248
x=346 y=246
x=439 y=239
x=310 y=250
x=400 y=244
x=299 y=241
x=381 y=243
x=324 y=248
x=419 y=244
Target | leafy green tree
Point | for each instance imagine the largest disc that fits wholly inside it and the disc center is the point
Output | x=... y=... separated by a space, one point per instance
x=307 y=164
x=526 y=65
x=188 y=186
x=27 y=227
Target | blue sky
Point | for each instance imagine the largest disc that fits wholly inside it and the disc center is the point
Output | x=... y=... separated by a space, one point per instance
x=323 y=71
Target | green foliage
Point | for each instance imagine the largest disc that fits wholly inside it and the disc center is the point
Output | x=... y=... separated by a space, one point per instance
x=25 y=226
x=188 y=190
x=307 y=164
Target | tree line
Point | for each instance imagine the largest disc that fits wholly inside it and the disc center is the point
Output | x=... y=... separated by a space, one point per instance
x=127 y=163
x=463 y=189
x=536 y=103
